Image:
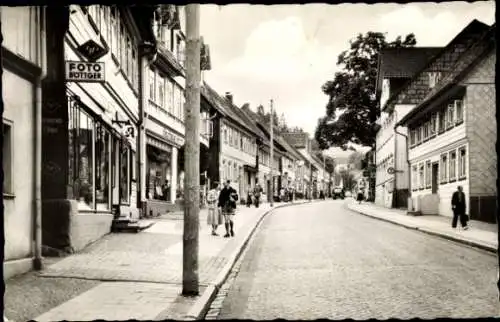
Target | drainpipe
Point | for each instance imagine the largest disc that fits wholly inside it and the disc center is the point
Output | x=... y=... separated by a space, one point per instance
x=37 y=169
x=407 y=156
x=145 y=62
x=394 y=188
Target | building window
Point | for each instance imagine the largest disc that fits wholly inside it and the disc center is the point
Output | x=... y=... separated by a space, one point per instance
x=459 y=109
x=434 y=78
x=113 y=32
x=453 y=165
x=421 y=182
x=160 y=84
x=235 y=172
x=7 y=157
x=413 y=137
x=103 y=153
x=169 y=93
x=443 y=168
x=450 y=112
x=81 y=157
x=124 y=173
x=433 y=124
x=419 y=134
x=129 y=59
x=152 y=85
x=426 y=127
x=462 y=163
x=428 y=174
x=135 y=77
x=442 y=120
x=225 y=136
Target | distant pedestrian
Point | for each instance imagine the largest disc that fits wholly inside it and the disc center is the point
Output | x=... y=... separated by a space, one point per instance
x=282 y=194
x=214 y=218
x=361 y=195
x=227 y=201
x=249 y=197
x=458 y=206
x=256 y=194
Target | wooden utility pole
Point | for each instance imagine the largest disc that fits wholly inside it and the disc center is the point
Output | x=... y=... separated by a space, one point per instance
x=190 y=283
x=272 y=154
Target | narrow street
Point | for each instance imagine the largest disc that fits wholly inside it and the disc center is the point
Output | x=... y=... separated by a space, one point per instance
x=324 y=261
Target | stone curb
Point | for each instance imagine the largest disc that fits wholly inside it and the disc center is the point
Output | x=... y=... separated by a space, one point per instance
x=201 y=306
x=476 y=244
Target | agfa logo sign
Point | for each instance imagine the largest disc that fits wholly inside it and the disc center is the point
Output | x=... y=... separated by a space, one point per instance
x=92 y=50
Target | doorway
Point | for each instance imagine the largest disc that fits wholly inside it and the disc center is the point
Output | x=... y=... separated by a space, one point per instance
x=435 y=173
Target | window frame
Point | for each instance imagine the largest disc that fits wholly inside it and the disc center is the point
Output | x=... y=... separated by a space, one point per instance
x=459 y=120
x=421 y=175
x=428 y=174
x=442 y=120
x=462 y=163
x=152 y=84
x=450 y=111
x=443 y=168
x=433 y=125
x=454 y=164
x=10 y=192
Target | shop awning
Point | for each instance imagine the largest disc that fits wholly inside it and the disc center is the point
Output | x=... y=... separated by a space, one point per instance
x=249 y=168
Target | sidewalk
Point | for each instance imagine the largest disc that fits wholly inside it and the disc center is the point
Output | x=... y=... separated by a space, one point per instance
x=481 y=235
x=139 y=276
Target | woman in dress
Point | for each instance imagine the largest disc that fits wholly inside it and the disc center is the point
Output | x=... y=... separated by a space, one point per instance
x=213 y=218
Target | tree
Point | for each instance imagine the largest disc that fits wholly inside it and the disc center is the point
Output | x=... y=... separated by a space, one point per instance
x=352 y=109
x=356 y=159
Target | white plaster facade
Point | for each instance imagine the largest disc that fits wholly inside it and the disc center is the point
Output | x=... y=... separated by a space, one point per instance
x=23 y=36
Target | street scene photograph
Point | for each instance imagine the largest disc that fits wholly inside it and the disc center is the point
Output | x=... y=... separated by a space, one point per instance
x=249 y=161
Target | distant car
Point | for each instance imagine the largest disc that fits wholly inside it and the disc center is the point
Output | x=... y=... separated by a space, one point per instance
x=338 y=193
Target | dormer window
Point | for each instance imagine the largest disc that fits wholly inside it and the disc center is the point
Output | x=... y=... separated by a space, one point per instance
x=434 y=78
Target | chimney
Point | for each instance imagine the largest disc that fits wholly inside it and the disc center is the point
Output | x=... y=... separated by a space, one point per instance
x=229 y=97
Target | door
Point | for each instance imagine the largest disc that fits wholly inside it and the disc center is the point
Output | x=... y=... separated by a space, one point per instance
x=435 y=173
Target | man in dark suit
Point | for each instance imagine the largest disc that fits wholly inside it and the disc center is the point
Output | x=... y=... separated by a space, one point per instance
x=458 y=206
x=227 y=201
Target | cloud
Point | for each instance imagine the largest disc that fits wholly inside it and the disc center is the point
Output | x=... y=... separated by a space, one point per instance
x=431 y=27
x=279 y=50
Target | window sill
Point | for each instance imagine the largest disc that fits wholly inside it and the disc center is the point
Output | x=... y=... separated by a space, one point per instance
x=452 y=180
x=9 y=195
x=459 y=122
x=443 y=182
x=462 y=178
x=441 y=131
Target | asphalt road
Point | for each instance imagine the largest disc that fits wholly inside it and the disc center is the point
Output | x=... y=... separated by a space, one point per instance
x=324 y=261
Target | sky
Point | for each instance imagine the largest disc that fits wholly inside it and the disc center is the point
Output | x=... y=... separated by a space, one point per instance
x=287 y=52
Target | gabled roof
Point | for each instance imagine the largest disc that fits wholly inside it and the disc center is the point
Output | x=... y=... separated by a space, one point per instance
x=473 y=27
x=258 y=120
x=251 y=120
x=226 y=108
x=402 y=62
x=465 y=62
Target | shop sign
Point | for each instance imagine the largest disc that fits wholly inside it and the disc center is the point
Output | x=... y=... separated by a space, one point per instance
x=172 y=137
x=85 y=72
x=92 y=50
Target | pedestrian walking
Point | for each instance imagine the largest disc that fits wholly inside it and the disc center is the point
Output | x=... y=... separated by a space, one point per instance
x=458 y=206
x=249 y=197
x=282 y=194
x=214 y=218
x=256 y=194
x=360 y=195
x=227 y=201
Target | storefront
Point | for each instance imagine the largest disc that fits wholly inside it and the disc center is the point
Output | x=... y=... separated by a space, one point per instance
x=163 y=176
x=101 y=159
